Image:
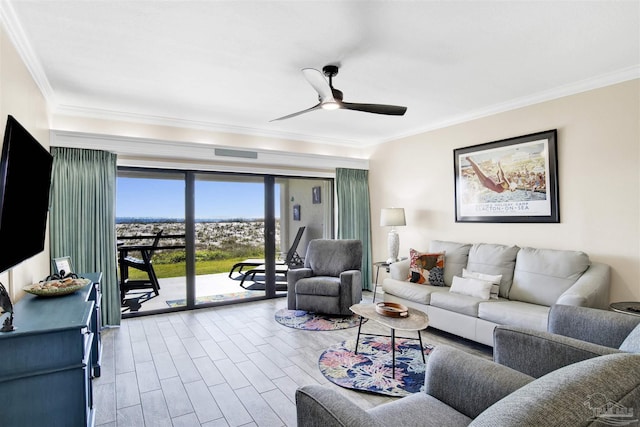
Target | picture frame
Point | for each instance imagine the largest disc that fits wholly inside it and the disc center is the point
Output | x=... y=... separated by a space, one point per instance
x=62 y=264
x=316 y=195
x=512 y=180
x=296 y=212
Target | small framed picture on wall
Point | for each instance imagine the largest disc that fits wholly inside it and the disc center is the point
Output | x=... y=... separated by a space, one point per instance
x=316 y=195
x=296 y=212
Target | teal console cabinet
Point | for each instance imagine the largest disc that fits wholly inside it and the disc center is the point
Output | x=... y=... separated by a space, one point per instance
x=47 y=363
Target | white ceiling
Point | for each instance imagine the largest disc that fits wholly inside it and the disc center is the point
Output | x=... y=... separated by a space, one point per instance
x=235 y=65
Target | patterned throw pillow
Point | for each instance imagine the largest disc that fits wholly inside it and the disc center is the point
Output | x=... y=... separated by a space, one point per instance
x=426 y=268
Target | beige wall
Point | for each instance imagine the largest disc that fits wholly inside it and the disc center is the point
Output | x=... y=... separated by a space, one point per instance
x=21 y=98
x=599 y=182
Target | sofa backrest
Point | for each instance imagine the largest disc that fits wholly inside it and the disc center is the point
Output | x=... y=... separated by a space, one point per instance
x=542 y=275
x=328 y=257
x=456 y=256
x=494 y=259
x=598 y=391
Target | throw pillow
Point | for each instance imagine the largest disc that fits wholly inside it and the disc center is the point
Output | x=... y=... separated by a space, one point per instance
x=471 y=287
x=493 y=278
x=631 y=343
x=426 y=268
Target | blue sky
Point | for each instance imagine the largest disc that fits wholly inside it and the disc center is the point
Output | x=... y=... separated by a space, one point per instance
x=156 y=198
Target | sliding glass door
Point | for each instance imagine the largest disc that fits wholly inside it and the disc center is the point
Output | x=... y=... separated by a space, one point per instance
x=230 y=228
x=225 y=237
x=150 y=210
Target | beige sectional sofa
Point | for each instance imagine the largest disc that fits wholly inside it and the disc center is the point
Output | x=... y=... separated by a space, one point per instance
x=532 y=281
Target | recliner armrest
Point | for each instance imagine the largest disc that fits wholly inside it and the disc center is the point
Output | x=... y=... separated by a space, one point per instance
x=602 y=327
x=537 y=353
x=293 y=275
x=320 y=406
x=468 y=383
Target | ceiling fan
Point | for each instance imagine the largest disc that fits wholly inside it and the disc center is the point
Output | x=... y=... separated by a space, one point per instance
x=331 y=98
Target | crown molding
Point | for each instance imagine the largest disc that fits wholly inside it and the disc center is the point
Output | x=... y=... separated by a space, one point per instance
x=103 y=114
x=23 y=47
x=603 y=80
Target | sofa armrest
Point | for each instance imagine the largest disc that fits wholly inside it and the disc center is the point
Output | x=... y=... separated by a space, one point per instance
x=292 y=277
x=537 y=353
x=468 y=383
x=591 y=289
x=602 y=327
x=320 y=406
x=400 y=270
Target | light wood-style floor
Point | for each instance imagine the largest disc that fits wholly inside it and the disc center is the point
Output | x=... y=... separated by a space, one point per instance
x=231 y=365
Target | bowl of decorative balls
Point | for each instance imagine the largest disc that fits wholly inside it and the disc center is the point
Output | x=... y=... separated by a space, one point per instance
x=57 y=287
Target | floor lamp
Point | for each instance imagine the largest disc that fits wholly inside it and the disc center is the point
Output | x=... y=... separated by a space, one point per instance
x=392 y=217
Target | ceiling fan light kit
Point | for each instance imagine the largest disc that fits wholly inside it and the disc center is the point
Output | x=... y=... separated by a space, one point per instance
x=331 y=98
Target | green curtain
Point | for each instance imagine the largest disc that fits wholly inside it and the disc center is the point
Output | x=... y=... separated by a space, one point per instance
x=82 y=218
x=354 y=219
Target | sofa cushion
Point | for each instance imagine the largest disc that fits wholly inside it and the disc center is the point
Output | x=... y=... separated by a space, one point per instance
x=472 y=287
x=415 y=409
x=542 y=275
x=411 y=291
x=318 y=285
x=600 y=391
x=631 y=344
x=456 y=256
x=494 y=279
x=494 y=259
x=457 y=303
x=426 y=268
x=514 y=313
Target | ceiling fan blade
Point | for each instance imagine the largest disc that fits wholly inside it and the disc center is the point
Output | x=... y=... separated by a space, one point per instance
x=319 y=83
x=392 y=110
x=315 y=107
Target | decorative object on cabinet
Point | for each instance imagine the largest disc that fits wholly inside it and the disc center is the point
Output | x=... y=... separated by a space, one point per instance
x=392 y=217
x=56 y=287
x=62 y=266
x=6 y=307
x=511 y=180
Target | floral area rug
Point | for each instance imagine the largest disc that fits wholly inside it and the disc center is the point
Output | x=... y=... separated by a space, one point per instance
x=300 y=319
x=216 y=298
x=371 y=370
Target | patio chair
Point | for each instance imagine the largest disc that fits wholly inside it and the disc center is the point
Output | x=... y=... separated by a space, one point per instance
x=292 y=260
x=292 y=257
x=144 y=263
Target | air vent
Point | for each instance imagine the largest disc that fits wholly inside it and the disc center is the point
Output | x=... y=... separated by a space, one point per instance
x=236 y=153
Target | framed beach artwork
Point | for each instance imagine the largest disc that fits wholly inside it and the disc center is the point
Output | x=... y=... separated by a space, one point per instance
x=511 y=180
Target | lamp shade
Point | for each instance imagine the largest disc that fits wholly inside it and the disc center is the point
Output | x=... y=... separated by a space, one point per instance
x=392 y=217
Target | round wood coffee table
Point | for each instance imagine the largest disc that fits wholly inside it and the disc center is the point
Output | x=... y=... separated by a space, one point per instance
x=414 y=322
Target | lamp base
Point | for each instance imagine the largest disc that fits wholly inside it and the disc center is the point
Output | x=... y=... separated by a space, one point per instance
x=393 y=245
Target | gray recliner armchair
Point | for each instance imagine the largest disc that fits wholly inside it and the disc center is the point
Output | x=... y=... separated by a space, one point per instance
x=573 y=334
x=465 y=390
x=330 y=281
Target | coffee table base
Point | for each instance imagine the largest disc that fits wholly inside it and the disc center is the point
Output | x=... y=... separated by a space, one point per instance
x=393 y=345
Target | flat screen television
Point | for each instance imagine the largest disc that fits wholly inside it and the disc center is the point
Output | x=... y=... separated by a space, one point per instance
x=25 y=179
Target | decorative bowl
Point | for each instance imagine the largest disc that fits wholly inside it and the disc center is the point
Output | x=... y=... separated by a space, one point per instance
x=56 y=288
x=392 y=309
